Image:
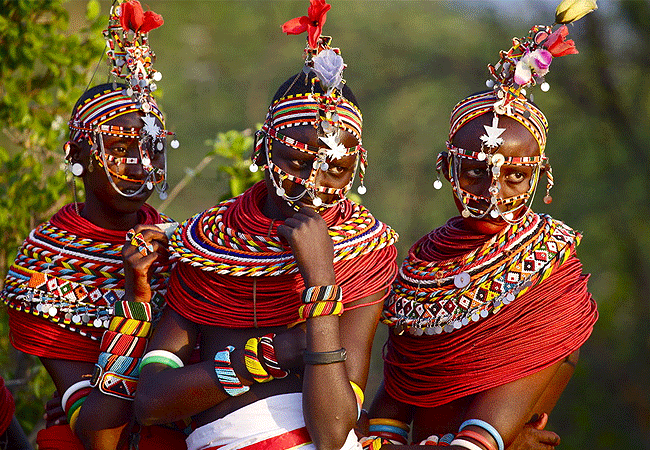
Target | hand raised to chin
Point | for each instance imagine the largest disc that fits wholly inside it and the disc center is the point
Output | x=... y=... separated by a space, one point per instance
x=307 y=234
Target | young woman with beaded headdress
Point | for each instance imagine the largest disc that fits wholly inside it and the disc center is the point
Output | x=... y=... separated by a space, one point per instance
x=488 y=312
x=69 y=301
x=282 y=285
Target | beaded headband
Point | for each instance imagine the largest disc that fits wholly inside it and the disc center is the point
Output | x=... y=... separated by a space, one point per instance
x=521 y=110
x=328 y=112
x=102 y=107
x=523 y=66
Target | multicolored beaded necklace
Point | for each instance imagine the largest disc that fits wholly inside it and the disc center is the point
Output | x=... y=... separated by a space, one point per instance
x=432 y=297
x=71 y=280
x=204 y=241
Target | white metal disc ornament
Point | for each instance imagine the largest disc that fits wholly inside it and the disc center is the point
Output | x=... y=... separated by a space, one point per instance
x=437 y=184
x=361 y=189
x=461 y=280
x=77 y=169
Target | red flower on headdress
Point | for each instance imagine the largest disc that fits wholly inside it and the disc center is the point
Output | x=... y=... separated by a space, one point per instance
x=558 y=46
x=133 y=18
x=312 y=23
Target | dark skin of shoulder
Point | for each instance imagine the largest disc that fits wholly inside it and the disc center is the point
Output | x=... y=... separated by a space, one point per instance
x=330 y=408
x=104 y=422
x=519 y=409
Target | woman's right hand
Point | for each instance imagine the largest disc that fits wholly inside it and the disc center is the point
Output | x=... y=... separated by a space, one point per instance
x=307 y=234
x=145 y=245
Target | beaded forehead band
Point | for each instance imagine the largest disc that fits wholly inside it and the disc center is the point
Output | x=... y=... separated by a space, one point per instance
x=523 y=66
x=328 y=112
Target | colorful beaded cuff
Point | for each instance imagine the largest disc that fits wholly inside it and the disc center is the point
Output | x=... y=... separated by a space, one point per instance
x=123 y=344
x=269 y=359
x=252 y=361
x=332 y=293
x=114 y=384
x=318 y=309
x=134 y=310
x=226 y=374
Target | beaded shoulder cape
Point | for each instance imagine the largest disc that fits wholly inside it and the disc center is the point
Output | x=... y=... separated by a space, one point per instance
x=70 y=272
x=429 y=297
x=223 y=239
x=235 y=272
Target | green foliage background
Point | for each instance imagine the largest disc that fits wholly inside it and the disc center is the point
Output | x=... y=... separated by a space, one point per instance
x=409 y=63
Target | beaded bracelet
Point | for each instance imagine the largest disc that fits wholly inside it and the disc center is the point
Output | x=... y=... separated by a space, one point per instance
x=373 y=443
x=478 y=437
x=125 y=365
x=446 y=440
x=132 y=327
x=252 y=361
x=226 y=374
x=316 y=309
x=133 y=310
x=358 y=394
x=73 y=398
x=122 y=344
x=395 y=431
x=431 y=440
x=317 y=358
x=268 y=357
x=330 y=293
x=466 y=444
x=162 y=357
x=487 y=427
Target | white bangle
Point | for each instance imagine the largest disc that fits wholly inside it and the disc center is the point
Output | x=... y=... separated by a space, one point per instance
x=72 y=389
x=466 y=444
x=160 y=356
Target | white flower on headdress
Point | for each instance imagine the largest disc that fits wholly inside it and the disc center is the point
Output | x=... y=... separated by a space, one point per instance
x=538 y=61
x=329 y=66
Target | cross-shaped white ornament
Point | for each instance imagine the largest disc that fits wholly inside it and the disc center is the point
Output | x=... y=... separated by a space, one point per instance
x=492 y=139
x=336 y=149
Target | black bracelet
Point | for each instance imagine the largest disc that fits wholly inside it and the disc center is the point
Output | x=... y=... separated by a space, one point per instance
x=333 y=356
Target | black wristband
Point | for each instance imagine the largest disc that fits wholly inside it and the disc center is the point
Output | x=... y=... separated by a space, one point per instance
x=331 y=357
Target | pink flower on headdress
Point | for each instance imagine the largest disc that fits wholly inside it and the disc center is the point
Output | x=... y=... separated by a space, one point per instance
x=312 y=23
x=537 y=61
x=557 y=45
x=134 y=19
